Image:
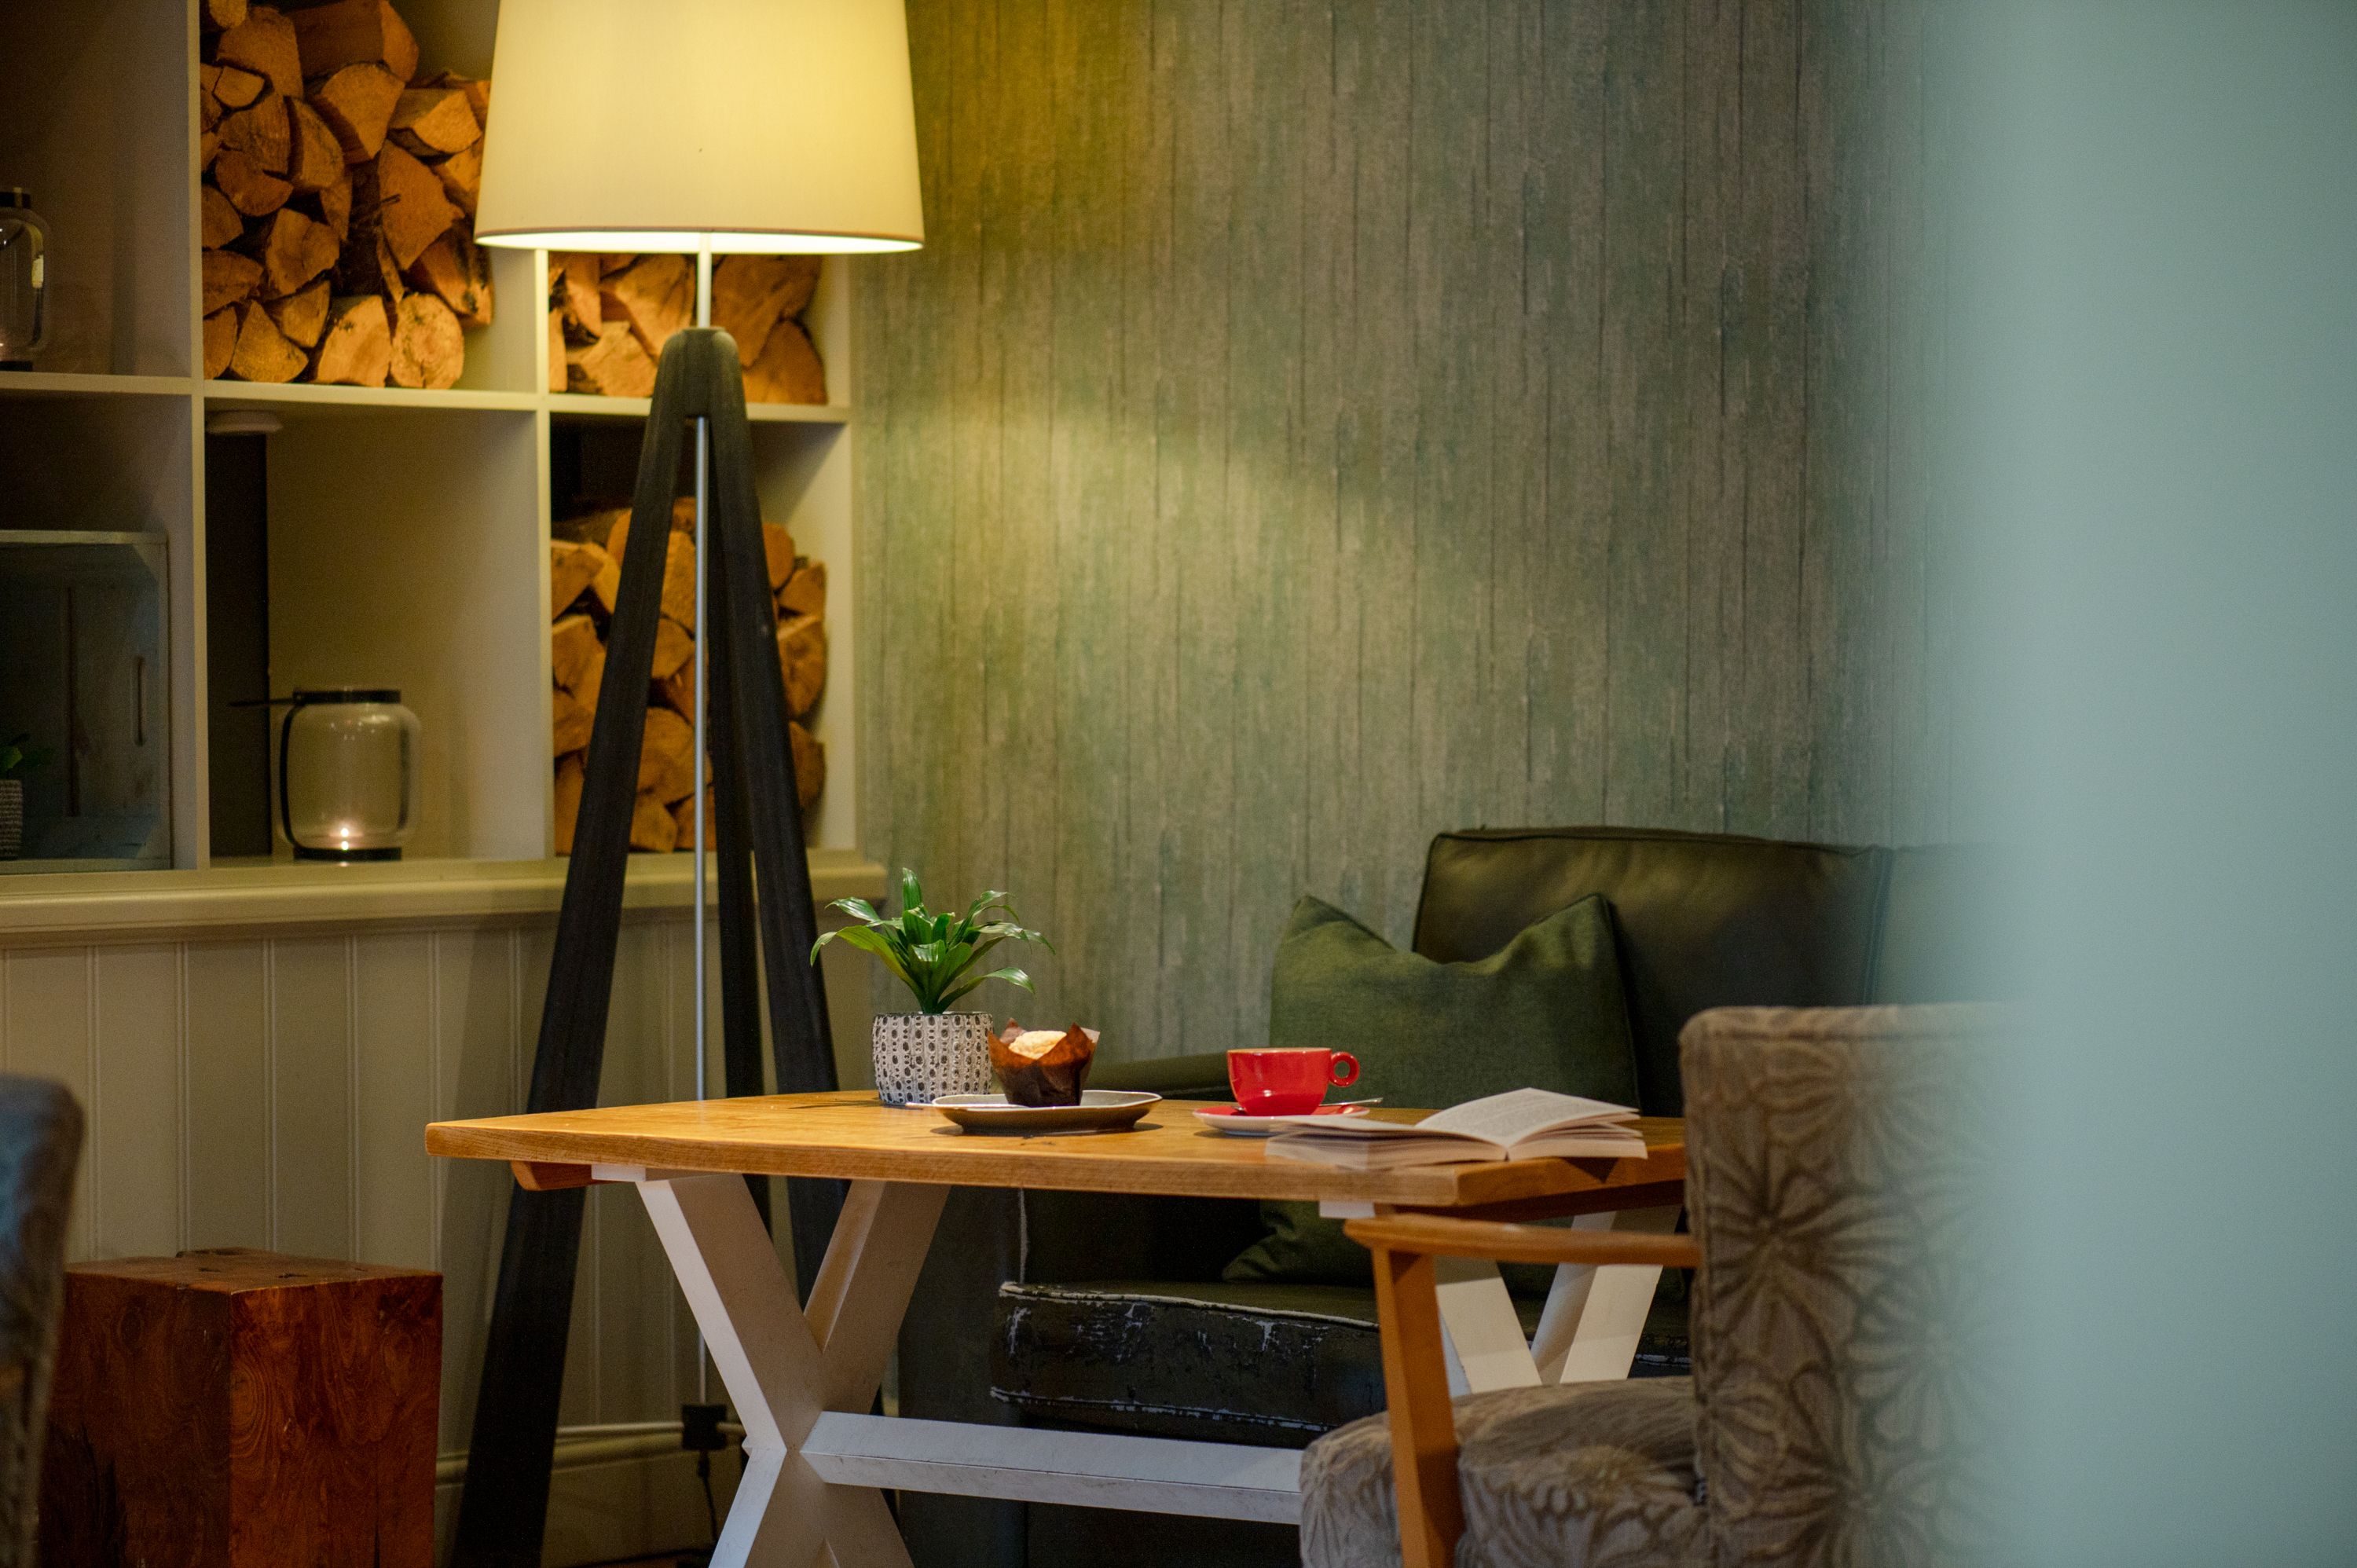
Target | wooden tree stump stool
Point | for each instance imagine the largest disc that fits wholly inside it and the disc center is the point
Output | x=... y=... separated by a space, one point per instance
x=241 y=1408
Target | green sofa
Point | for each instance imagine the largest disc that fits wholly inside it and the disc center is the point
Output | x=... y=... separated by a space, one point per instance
x=1108 y=1313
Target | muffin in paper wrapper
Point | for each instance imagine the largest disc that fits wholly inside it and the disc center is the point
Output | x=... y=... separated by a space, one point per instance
x=1039 y=1066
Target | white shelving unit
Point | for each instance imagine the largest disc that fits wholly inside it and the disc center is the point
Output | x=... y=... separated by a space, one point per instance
x=408 y=531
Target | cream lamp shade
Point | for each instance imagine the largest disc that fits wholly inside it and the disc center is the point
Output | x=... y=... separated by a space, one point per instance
x=769 y=125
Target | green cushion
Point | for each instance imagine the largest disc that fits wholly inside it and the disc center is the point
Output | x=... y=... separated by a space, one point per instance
x=1547 y=1012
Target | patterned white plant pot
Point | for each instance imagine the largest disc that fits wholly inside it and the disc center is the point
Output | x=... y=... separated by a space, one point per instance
x=12 y=834
x=920 y=1057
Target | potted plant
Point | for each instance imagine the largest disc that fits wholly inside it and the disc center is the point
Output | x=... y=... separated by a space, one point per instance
x=16 y=759
x=933 y=1051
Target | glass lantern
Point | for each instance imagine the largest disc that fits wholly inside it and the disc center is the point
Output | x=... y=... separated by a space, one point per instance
x=24 y=279
x=348 y=774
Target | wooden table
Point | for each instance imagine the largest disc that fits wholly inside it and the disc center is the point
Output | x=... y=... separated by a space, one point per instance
x=804 y=1379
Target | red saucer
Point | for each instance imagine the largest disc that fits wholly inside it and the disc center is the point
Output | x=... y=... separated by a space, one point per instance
x=1236 y=1122
x=1321 y=1111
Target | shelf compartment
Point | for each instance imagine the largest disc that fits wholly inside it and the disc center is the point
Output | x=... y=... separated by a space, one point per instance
x=405 y=550
x=802 y=474
x=98 y=127
x=81 y=459
x=84 y=668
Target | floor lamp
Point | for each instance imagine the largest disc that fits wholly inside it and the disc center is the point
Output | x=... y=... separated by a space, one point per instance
x=702 y=126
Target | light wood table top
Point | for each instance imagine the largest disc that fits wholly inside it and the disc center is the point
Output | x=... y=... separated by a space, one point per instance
x=850 y=1134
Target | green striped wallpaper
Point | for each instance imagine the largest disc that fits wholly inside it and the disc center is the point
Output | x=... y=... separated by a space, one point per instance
x=1313 y=425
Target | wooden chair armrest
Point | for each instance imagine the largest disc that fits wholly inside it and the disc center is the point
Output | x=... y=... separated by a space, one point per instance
x=1424 y=1428
x=1432 y=1234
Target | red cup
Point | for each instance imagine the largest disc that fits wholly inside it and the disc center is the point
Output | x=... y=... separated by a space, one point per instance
x=1287 y=1082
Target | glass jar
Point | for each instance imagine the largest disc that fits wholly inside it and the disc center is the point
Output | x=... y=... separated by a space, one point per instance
x=348 y=774
x=24 y=279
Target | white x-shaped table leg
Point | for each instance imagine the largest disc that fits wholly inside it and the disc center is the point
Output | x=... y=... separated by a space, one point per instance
x=784 y=1366
x=1588 y=1332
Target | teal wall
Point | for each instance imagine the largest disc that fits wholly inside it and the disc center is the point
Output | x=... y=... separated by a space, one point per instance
x=2156 y=444
x=1311 y=427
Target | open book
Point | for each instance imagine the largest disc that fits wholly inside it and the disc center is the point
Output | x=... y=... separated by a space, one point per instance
x=1521 y=1124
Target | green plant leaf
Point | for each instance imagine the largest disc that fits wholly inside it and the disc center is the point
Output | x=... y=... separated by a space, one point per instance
x=868 y=941
x=996 y=895
x=933 y=954
x=1010 y=931
x=1012 y=977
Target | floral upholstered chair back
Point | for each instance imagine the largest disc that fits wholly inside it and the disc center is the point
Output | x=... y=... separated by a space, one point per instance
x=1832 y=1189
x=40 y=1138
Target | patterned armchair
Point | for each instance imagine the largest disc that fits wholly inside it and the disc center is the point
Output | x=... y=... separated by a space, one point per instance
x=40 y=1138
x=1829 y=1187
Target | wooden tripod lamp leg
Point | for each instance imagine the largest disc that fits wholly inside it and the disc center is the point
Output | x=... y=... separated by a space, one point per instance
x=1424 y=1427
x=503 y=1506
x=503 y=1509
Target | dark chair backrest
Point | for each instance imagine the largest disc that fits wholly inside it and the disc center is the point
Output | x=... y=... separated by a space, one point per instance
x=40 y=1138
x=1705 y=920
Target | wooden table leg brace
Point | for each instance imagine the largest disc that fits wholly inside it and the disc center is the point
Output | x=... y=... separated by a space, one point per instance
x=783 y=1367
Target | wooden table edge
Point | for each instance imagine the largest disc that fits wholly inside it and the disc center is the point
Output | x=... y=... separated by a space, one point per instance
x=548 y=1158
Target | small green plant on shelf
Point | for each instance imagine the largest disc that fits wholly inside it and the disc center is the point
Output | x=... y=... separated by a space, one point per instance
x=934 y=955
x=17 y=758
x=20 y=756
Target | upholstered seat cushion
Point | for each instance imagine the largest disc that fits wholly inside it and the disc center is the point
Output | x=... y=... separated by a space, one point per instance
x=1256 y=1362
x=1582 y=1476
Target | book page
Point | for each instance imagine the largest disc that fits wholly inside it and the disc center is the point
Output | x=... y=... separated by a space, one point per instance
x=1519 y=1113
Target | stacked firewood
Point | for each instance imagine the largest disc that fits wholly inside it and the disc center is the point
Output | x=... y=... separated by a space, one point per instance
x=585 y=579
x=610 y=317
x=337 y=199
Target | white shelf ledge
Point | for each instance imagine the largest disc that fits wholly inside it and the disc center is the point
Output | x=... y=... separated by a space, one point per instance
x=45 y=384
x=583 y=403
x=295 y=395
x=295 y=398
x=46 y=910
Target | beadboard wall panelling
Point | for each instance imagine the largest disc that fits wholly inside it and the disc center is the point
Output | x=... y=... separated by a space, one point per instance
x=1311 y=427
x=273 y=1091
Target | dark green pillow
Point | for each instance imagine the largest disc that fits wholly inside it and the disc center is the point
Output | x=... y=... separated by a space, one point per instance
x=1547 y=1012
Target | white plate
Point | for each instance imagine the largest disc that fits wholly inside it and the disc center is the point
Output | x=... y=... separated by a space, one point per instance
x=1236 y=1124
